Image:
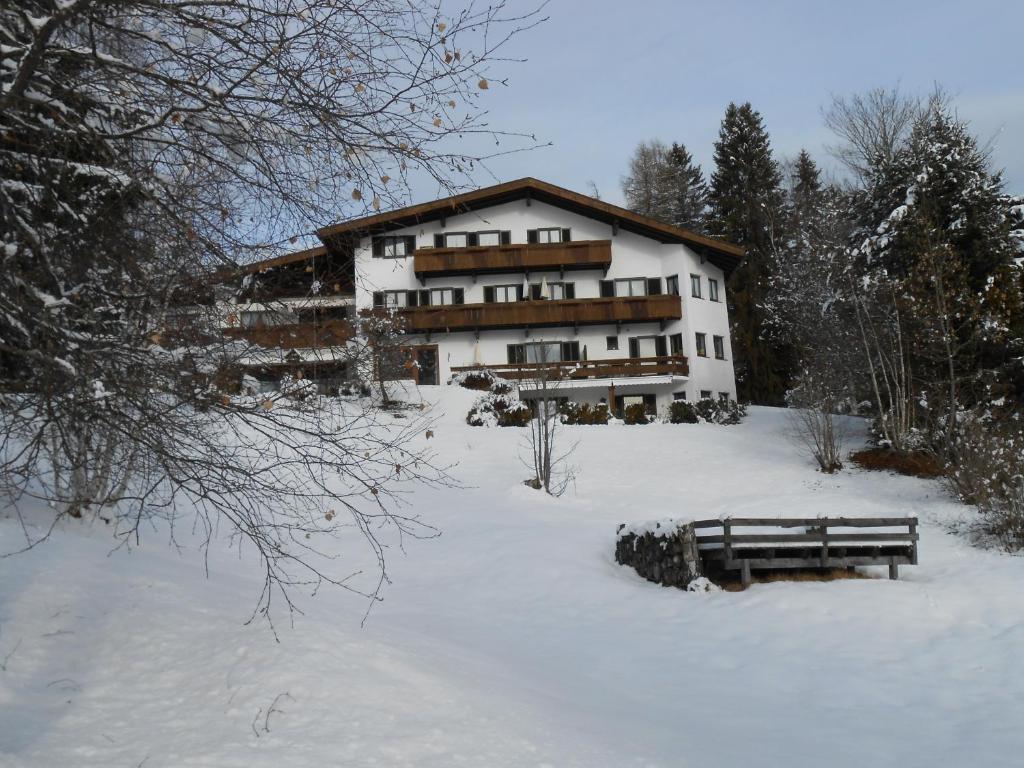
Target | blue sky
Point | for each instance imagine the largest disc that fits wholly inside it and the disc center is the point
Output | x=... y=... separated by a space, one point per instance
x=601 y=76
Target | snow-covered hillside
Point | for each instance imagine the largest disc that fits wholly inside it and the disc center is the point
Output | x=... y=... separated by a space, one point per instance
x=514 y=639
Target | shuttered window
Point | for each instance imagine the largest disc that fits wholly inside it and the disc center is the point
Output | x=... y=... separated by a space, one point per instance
x=393 y=246
x=503 y=293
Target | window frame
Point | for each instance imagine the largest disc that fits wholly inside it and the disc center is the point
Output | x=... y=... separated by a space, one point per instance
x=381 y=244
x=713 y=294
x=611 y=343
x=505 y=287
x=701 y=344
x=706 y=394
x=388 y=305
x=672 y=285
x=695 y=286
x=718 y=342
x=619 y=280
x=495 y=232
x=675 y=344
x=559 y=230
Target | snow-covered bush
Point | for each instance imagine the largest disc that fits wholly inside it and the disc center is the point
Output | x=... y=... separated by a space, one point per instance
x=499 y=409
x=483 y=379
x=584 y=413
x=636 y=414
x=682 y=412
x=706 y=411
x=987 y=469
x=297 y=389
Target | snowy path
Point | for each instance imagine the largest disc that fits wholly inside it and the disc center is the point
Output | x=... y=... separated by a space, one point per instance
x=515 y=640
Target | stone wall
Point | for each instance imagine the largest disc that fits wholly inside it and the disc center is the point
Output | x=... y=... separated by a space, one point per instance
x=664 y=552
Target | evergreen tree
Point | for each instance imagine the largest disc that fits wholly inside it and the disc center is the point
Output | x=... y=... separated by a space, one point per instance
x=665 y=184
x=935 y=223
x=685 y=189
x=746 y=207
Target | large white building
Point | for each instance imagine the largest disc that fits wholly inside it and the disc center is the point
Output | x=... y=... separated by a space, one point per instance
x=626 y=308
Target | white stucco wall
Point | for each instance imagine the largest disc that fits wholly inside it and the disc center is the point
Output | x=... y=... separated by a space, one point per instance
x=632 y=256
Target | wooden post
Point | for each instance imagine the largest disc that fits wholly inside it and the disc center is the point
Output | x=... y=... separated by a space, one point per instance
x=894 y=569
x=824 y=545
x=913 y=544
x=727 y=531
x=745 y=572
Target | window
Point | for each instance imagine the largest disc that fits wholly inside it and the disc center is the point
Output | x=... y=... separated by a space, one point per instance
x=488 y=238
x=393 y=246
x=548 y=235
x=391 y=299
x=702 y=345
x=456 y=239
x=543 y=352
x=631 y=286
x=555 y=291
x=672 y=285
x=675 y=343
x=695 y=286
x=263 y=319
x=705 y=394
x=647 y=346
x=441 y=296
x=502 y=293
x=724 y=397
x=649 y=402
x=713 y=289
x=612 y=342
x=679 y=395
x=719 y=342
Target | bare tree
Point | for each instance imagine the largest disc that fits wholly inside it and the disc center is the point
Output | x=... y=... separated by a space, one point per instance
x=141 y=145
x=546 y=458
x=871 y=127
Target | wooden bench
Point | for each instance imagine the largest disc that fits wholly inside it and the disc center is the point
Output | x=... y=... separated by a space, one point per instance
x=818 y=545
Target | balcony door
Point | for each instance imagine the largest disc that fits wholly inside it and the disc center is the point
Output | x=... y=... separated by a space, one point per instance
x=426 y=364
x=647 y=346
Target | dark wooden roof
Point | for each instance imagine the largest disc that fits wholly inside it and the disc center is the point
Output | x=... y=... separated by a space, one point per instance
x=721 y=253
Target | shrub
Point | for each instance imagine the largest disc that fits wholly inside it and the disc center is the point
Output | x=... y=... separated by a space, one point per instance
x=481 y=379
x=706 y=410
x=636 y=414
x=682 y=412
x=499 y=409
x=914 y=463
x=987 y=469
x=584 y=413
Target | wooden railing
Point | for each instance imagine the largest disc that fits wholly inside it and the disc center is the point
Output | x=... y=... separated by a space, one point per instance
x=582 y=254
x=815 y=547
x=330 y=333
x=666 y=365
x=523 y=314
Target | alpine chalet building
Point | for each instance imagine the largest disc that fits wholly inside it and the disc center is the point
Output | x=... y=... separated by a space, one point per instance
x=520 y=277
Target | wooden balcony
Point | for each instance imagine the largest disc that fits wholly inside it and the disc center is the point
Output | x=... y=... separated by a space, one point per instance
x=667 y=365
x=536 y=314
x=331 y=333
x=583 y=254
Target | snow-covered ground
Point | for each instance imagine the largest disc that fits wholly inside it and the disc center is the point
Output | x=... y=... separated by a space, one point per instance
x=514 y=639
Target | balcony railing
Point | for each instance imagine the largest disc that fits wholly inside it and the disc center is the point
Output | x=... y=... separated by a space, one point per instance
x=665 y=365
x=331 y=333
x=531 y=314
x=582 y=254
